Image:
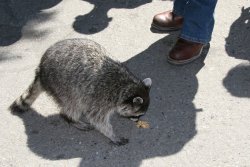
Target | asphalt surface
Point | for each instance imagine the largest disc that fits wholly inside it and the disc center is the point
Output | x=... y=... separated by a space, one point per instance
x=199 y=113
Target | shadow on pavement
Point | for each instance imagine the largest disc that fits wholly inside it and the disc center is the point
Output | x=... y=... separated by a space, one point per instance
x=171 y=115
x=97 y=20
x=14 y=14
x=7 y=56
x=237 y=81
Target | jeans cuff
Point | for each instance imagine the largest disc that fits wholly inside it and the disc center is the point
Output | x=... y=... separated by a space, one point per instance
x=192 y=39
x=178 y=13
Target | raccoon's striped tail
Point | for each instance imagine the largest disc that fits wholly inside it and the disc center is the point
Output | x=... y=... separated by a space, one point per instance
x=24 y=102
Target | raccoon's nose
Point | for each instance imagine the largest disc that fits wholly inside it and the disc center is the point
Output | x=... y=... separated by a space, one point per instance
x=135 y=119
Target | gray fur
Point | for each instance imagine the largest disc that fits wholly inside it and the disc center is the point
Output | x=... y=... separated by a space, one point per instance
x=83 y=80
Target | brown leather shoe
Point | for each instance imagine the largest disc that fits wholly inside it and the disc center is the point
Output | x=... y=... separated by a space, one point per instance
x=184 y=52
x=167 y=21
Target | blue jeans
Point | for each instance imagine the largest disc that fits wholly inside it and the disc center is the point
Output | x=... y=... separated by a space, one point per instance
x=198 y=19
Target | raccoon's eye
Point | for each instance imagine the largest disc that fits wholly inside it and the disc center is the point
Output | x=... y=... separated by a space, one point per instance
x=137 y=100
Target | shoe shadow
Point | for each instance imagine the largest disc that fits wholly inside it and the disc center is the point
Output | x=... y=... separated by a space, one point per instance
x=97 y=20
x=171 y=115
x=15 y=14
x=237 y=46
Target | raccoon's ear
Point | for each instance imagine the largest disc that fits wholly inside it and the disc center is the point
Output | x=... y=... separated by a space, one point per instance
x=147 y=82
x=137 y=100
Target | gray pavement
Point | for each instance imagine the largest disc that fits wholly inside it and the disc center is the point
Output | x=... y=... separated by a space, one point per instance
x=199 y=113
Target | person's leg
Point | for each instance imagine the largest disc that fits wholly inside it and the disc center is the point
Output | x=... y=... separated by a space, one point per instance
x=196 y=31
x=179 y=7
x=198 y=21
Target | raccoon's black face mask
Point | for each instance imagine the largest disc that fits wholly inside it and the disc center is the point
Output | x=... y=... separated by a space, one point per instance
x=137 y=105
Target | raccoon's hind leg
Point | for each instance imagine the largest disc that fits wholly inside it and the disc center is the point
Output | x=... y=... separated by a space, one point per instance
x=73 y=117
x=28 y=97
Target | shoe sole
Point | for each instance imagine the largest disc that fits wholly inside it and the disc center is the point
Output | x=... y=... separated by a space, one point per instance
x=164 y=29
x=183 y=62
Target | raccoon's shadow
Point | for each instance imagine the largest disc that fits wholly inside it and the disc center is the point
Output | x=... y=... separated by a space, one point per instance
x=97 y=19
x=53 y=138
x=171 y=116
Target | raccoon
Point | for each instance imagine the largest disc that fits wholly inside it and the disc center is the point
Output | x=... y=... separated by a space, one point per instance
x=84 y=80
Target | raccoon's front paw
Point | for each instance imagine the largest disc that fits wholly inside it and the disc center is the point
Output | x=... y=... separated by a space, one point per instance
x=121 y=141
x=83 y=126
